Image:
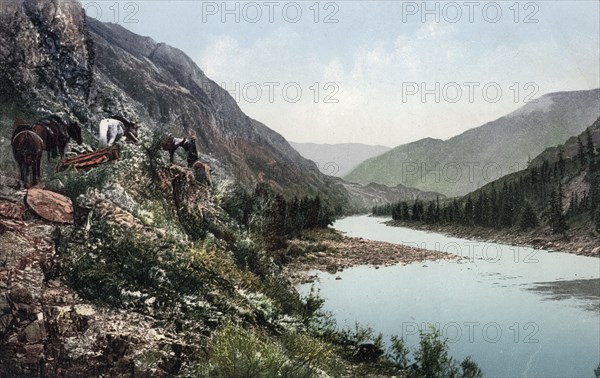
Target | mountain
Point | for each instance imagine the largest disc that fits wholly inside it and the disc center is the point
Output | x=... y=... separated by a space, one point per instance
x=468 y=161
x=338 y=159
x=553 y=203
x=55 y=60
x=371 y=195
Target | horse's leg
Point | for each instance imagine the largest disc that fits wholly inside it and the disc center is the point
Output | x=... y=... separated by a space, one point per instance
x=26 y=180
x=34 y=173
x=38 y=164
x=112 y=139
x=172 y=154
x=23 y=173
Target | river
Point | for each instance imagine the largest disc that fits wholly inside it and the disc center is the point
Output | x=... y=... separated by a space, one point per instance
x=517 y=311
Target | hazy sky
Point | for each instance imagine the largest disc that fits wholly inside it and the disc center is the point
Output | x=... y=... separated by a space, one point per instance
x=377 y=72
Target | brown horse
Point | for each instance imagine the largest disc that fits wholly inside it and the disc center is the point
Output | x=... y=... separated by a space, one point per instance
x=171 y=144
x=63 y=133
x=47 y=136
x=27 y=149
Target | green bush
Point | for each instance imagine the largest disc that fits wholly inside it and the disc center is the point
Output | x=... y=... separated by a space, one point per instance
x=433 y=359
x=237 y=352
x=398 y=352
x=121 y=268
x=76 y=182
x=308 y=354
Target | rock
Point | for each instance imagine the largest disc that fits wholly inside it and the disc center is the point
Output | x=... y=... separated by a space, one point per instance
x=367 y=353
x=338 y=278
x=12 y=210
x=202 y=173
x=4 y=305
x=35 y=332
x=51 y=206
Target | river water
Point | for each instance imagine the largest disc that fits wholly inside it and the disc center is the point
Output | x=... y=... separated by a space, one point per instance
x=517 y=311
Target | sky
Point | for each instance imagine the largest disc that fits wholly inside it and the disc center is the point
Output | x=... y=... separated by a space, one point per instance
x=377 y=72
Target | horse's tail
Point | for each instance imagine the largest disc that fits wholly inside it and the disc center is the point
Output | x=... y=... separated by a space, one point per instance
x=27 y=143
x=103 y=133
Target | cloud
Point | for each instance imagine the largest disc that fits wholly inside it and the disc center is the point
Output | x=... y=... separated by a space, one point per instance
x=368 y=82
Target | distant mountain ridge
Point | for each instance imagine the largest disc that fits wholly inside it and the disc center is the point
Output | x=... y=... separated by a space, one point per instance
x=468 y=161
x=338 y=159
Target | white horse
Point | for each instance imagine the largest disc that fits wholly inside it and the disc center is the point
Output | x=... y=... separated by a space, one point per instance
x=111 y=130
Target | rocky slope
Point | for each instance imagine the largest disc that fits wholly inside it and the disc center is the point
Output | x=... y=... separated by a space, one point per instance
x=367 y=196
x=468 y=161
x=54 y=60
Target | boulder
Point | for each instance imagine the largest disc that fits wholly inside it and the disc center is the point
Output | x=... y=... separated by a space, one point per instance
x=12 y=210
x=50 y=206
x=367 y=353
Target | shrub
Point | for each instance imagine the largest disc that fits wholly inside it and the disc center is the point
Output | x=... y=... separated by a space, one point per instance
x=308 y=354
x=76 y=183
x=398 y=352
x=237 y=352
x=433 y=359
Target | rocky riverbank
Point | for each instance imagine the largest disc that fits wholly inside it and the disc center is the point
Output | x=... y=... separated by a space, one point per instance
x=330 y=251
x=579 y=244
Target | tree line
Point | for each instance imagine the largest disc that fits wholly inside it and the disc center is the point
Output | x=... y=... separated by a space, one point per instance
x=523 y=200
x=268 y=214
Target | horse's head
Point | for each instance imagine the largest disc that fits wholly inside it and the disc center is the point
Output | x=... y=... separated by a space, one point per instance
x=131 y=131
x=74 y=130
x=167 y=142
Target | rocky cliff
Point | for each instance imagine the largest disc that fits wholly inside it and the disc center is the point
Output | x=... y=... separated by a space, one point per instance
x=53 y=59
x=46 y=56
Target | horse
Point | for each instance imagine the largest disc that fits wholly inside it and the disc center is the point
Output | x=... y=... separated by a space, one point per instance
x=113 y=129
x=171 y=144
x=28 y=148
x=63 y=133
x=190 y=147
x=47 y=136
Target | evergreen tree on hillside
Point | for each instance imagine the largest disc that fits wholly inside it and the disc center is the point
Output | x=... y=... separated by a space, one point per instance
x=556 y=218
x=581 y=151
x=404 y=212
x=597 y=220
x=528 y=219
x=561 y=162
x=469 y=209
x=590 y=144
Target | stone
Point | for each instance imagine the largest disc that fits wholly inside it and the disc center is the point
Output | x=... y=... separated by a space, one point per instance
x=12 y=210
x=51 y=206
x=35 y=332
x=367 y=353
x=4 y=305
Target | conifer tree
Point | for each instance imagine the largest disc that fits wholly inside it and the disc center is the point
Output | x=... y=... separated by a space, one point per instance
x=528 y=219
x=581 y=152
x=590 y=144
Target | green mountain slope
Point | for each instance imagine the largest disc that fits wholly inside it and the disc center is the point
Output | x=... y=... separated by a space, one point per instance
x=558 y=194
x=478 y=156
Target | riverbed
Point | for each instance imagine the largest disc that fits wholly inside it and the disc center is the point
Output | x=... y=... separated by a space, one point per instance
x=517 y=311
